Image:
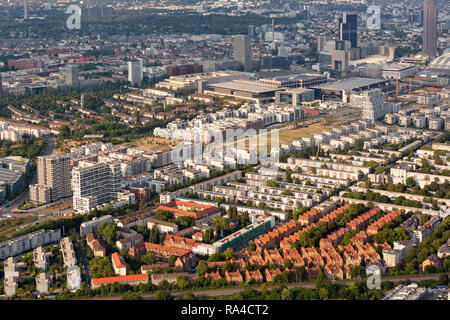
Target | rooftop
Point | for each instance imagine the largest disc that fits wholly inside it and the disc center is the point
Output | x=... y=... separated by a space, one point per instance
x=349 y=84
x=242 y=85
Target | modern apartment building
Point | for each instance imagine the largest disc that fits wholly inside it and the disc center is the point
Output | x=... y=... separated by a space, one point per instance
x=94 y=184
x=372 y=104
x=54 y=175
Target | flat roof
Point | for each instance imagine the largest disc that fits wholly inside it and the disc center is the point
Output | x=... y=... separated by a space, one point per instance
x=250 y=86
x=349 y=84
x=298 y=90
x=303 y=76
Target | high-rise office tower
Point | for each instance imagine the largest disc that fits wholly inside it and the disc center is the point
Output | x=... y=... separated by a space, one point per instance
x=430 y=27
x=25 y=9
x=242 y=51
x=54 y=176
x=251 y=30
x=348 y=28
x=71 y=75
x=1 y=85
x=321 y=41
x=135 y=72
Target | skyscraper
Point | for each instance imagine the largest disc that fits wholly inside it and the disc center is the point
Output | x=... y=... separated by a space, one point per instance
x=25 y=9
x=348 y=28
x=54 y=176
x=242 y=51
x=71 y=75
x=430 y=27
x=135 y=72
x=251 y=30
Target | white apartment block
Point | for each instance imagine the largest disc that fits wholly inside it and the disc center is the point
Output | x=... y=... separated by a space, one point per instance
x=40 y=259
x=397 y=253
x=68 y=252
x=10 y=135
x=372 y=104
x=162 y=226
x=94 y=184
x=28 y=242
x=94 y=224
x=43 y=283
x=11 y=285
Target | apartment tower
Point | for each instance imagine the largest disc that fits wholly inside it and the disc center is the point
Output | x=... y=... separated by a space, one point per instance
x=54 y=176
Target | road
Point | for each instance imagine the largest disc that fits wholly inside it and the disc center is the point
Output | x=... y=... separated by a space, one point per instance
x=230 y=291
x=51 y=144
x=86 y=266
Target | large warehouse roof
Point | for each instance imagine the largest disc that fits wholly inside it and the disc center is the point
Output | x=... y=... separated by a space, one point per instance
x=248 y=86
x=441 y=62
x=349 y=84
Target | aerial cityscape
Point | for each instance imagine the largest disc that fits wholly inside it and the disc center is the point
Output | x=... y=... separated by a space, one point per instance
x=224 y=150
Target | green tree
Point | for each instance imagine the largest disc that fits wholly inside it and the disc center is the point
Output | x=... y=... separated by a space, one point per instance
x=229 y=254
x=272 y=183
x=189 y=296
x=286 y=294
x=149 y=258
x=154 y=235
x=182 y=282
x=131 y=296
x=108 y=231
x=163 y=295
x=101 y=267
x=172 y=260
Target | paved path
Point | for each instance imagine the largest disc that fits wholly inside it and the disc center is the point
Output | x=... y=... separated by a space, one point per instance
x=230 y=291
x=86 y=266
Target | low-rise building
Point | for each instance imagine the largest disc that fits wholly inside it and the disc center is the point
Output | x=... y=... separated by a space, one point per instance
x=94 y=224
x=162 y=226
x=128 y=242
x=119 y=265
x=172 y=277
x=134 y=279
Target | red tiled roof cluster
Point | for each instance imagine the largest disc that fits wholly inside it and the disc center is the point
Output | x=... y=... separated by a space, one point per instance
x=201 y=210
x=388 y=218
